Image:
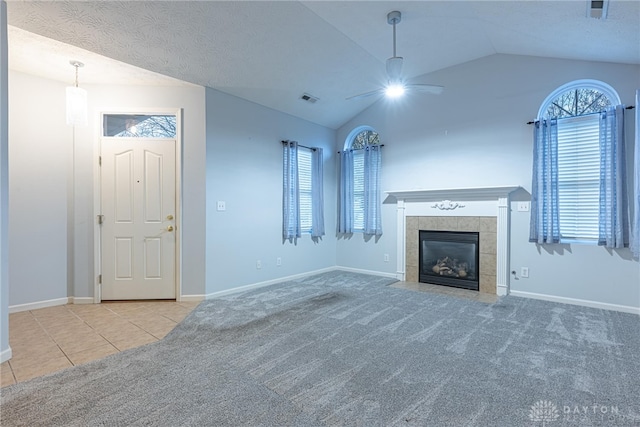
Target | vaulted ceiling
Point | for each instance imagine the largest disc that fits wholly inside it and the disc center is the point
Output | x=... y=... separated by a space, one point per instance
x=271 y=52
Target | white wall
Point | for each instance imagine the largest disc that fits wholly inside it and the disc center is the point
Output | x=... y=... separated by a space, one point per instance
x=473 y=135
x=39 y=149
x=244 y=169
x=52 y=185
x=5 y=350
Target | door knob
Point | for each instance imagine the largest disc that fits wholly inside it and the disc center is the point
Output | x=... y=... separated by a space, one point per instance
x=169 y=217
x=170 y=228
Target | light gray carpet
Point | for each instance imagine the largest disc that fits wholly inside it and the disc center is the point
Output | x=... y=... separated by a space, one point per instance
x=345 y=349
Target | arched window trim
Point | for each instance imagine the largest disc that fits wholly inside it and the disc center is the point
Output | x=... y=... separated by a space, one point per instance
x=348 y=143
x=602 y=87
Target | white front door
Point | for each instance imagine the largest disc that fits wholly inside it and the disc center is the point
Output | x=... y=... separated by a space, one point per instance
x=139 y=210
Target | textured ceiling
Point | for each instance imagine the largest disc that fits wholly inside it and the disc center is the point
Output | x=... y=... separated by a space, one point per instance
x=45 y=57
x=270 y=52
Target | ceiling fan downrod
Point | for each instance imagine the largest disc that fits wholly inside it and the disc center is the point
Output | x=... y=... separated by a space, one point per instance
x=394 y=18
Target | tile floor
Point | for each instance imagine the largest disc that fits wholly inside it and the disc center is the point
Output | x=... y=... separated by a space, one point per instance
x=447 y=290
x=50 y=339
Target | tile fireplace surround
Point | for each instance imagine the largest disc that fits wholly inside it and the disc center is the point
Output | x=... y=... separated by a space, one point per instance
x=485 y=226
x=485 y=210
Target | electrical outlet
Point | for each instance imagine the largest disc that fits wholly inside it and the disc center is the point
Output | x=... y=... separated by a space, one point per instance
x=524 y=272
x=386 y=257
x=221 y=206
x=278 y=261
x=523 y=206
x=258 y=264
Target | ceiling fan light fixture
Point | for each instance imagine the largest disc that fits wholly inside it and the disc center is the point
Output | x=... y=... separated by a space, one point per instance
x=394 y=90
x=394 y=67
x=396 y=86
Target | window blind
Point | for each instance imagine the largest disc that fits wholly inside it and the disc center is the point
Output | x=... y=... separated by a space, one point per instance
x=358 y=190
x=579 y=177
x=304 y=188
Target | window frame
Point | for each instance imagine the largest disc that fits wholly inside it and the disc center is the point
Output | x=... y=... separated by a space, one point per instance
x=305 y=157
x=602 y=87
x=358 y=164
x=614 y=99
x=130 y=121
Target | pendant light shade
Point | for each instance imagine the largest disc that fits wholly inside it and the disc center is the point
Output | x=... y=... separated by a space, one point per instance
x=76 y=101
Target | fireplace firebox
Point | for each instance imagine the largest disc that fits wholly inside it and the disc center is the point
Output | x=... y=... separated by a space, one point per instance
x=449 y=258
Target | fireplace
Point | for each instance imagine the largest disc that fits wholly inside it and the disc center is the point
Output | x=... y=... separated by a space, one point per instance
x=485 y=210
x=449 y=258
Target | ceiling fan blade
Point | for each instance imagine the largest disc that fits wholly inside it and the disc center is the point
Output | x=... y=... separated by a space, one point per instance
x=434 y=89
x=364 y=95
x=394 y=68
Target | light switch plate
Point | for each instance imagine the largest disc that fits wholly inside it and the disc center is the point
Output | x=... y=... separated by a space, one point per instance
x=221 y=206
x=523 y=206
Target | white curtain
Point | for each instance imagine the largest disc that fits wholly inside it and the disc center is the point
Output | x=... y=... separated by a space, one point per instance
x=372 y=204
x=614 y=206
x=545 y=215
x=317 y=193
x=345 y=220
x=635 y=229
x=290 y=193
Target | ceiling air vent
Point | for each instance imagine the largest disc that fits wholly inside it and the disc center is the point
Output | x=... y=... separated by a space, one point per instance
x=309 y=98
x=597 y=9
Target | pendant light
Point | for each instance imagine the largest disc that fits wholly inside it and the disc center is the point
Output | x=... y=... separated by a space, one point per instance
x=76 y=101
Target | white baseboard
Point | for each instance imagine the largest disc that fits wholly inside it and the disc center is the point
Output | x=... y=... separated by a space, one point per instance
x=267 y=283
x=39 y=304
x=81 y=300
x=5 y=355
x=576 y=301
x=191 y=298
x=371 y=272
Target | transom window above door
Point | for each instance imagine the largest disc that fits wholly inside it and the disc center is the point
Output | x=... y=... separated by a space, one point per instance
x=139 y=125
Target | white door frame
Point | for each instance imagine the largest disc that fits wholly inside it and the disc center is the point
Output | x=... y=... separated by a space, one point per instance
x=97 y=195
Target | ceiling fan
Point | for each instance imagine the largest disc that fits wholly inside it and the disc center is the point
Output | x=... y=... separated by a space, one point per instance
x=396 y=86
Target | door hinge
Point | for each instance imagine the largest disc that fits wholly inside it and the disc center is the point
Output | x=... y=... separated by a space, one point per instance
x=100 y=219
x=100 y=279
x=99 y=160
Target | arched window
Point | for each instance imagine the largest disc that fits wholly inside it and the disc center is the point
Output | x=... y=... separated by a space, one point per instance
x=362 y=136
x=360 y=192
x=574 y=109
x=578 y=98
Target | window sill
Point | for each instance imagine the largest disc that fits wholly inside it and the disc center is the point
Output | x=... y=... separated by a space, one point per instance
x=578 y=242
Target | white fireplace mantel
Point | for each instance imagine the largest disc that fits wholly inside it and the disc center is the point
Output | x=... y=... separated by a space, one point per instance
x=479 y=201
x=478 y=193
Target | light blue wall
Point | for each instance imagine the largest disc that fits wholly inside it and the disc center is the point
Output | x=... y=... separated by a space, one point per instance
x=5 y=351
x=244 y=169
x=474 y=135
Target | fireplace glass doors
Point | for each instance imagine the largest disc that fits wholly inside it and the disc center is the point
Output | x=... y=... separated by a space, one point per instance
x=449 y=258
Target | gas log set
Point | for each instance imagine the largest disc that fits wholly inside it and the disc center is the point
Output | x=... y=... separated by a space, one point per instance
x=451 y=267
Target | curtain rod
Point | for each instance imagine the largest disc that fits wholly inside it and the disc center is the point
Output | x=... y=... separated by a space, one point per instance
x=300 y=145
x=630 y=107
x=379 y=145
